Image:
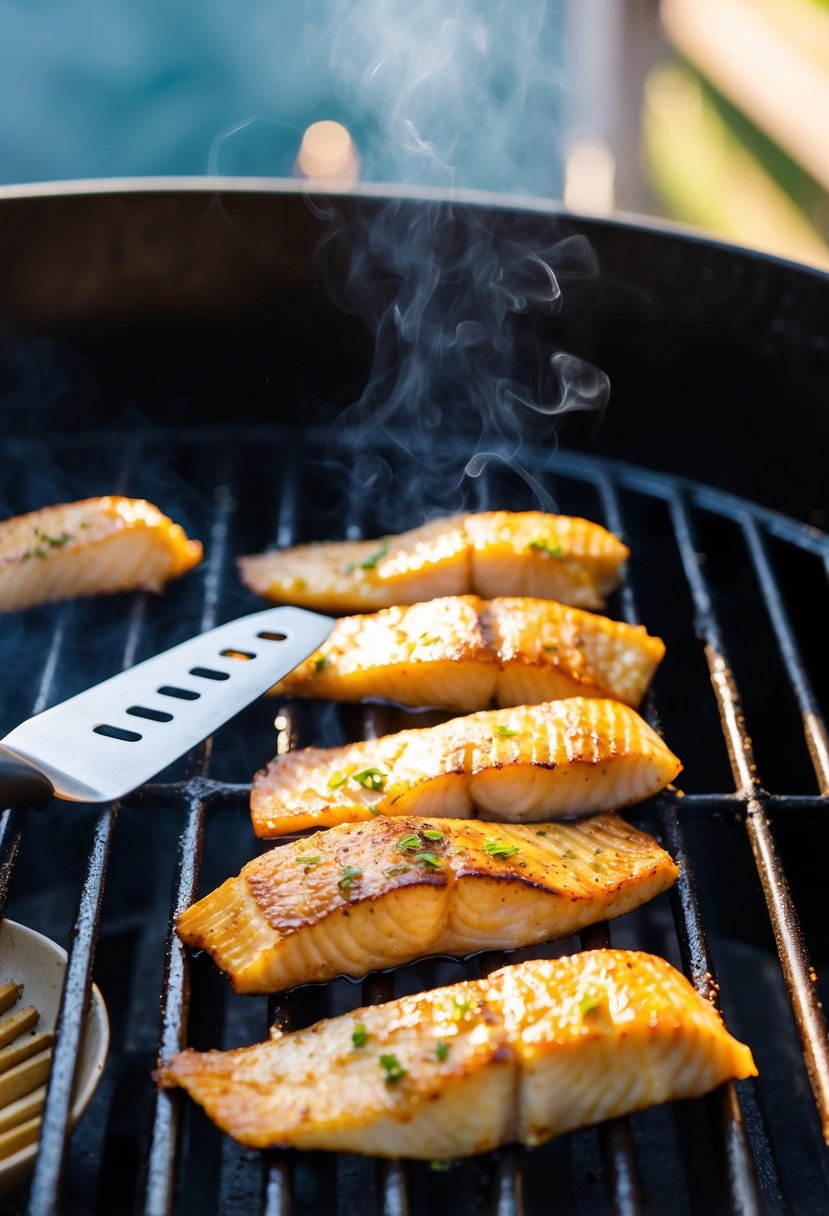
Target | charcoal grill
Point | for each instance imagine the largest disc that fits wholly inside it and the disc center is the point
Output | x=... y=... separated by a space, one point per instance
x=138 y=320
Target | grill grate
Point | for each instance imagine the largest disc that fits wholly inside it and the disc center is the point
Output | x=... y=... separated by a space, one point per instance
x=747 y=1148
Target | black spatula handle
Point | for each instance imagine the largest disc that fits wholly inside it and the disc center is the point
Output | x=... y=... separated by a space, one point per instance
x=21 y=784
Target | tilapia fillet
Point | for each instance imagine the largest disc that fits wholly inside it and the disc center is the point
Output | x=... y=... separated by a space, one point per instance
x=494 y=553
x=464 y=653
x=84 y=548
x=570 y=757
x=530 y=1052
x=379 y=894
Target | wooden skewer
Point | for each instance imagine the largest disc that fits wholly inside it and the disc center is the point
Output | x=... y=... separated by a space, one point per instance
x=15 y=1053
x=25 y=1077
x=25 y=1060
x=9 y=995
x=27 y=1107
x=13 y=1026
x=19 y=1137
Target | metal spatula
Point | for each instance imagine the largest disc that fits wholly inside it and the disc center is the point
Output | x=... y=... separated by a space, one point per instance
x=101 y=744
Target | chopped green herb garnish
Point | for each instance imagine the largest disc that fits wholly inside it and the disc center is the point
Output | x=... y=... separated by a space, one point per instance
x=410 y=841
x=349 y=878
x=568 y=853
x=462 y=1008
x=336 y=780
x=57 y=542
x=440 y=1167
x=378 y=554
x=360 y=1035
x=349 y=568
x=441 y=1049
x=430 y=834
x=588 y=1004
x=374 y=810
x=393 y=1068
x=540 y=833
x=501 y=850
x=320 y=664
x=398 y=870
x=546 y=546
x=427 y=859
x=506 y=733
x=370 y=778
x=597 y=850
x=312 y=860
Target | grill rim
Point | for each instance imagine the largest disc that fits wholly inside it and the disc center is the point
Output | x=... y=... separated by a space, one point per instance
x=217 y=184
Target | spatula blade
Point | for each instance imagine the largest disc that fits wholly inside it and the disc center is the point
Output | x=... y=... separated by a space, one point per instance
x=106 y=741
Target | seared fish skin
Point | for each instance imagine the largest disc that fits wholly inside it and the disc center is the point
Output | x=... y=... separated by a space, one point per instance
x=495 y=553
x=373 y=895
x=463 y=653
x=98 y=545
x=570 y=757
x=533 y=1051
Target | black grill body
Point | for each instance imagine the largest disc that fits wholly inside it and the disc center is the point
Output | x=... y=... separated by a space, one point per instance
x=177 y=344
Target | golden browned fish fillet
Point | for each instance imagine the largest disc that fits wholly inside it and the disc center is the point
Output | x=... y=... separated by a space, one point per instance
x=495 y=553
x=463 y=653
x=371 y=895
x=85 y=548
x=533 y=762
x=532 y=1051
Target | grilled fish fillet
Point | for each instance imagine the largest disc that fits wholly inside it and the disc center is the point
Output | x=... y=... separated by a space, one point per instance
x=463 y=653
x=533 y=762
x=378 y=894
x=530 y=1052
x=495 y=553
x=84 y=548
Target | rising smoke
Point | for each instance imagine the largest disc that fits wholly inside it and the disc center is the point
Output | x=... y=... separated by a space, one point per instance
x=462 y=95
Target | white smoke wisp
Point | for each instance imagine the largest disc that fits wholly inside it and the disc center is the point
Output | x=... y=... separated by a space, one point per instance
x=464 y=95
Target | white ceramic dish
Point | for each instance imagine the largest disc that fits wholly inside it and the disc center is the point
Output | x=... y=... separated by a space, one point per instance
x=36 y=962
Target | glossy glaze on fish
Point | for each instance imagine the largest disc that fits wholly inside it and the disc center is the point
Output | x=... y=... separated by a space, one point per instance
x=560 y=758
x=494 y=553
x=373 y=895
x=464 y=653
x=99 y=545
x=532 y=1051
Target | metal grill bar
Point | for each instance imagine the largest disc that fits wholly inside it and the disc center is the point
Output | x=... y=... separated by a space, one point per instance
x=615 y=1136
x=509 y=1184
x=174 y=1010
x=237 y=796
x=693 y=941
x=277 y=1181
x=10 y=832
x=814 y=727
x=718 y=502
x=74 y=1005
x=158 y=1198
x=277 y=1165
x=393 y=1176
x=791 y=946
